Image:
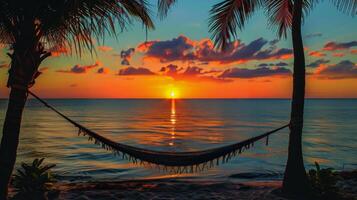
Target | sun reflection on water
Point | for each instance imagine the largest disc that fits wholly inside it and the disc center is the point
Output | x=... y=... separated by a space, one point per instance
x=173 y=122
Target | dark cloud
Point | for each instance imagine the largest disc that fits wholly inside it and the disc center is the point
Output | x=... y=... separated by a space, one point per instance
x=333 y=46
x=170 y=50
x=317 y=63
x=129 y=71
x=273 y=42
x=343 y=69
x=77 y=69
x=254 y=73
x=279 y=64
x=191 y=73
x=126 y=55
x=313 y=35
x=103 y=70
x=184 y=49
x=170 y=70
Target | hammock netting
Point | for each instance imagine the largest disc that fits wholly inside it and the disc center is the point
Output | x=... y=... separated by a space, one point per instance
x=177 y=162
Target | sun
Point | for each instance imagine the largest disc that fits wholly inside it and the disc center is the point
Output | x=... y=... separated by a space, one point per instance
x=172 y=93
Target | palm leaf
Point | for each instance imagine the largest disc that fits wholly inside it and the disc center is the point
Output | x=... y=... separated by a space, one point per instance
x=72 y=23
x=346 y=6
x=164 y=7
x=280 y=14
x=228 y=16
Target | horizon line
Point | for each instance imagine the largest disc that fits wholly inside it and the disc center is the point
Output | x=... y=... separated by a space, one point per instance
x=199 y=98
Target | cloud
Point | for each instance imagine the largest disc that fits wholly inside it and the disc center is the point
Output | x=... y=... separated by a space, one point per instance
x=254 y=73
x=183 y=48
x=104 y=48
x=59 y=51
x=126 y=55
x=279 y=64
x=339 y=55
x=129 y=71
x=333 y=46
x=191 y=73
x=343 y=69
x=313 y=35
x=317 y=54
x=77 y=69
x=170 y=70
x=4 y=65
x=317 y=63
x=170 y=50
x=103 y=70
x=43 y=69
x=273 y=42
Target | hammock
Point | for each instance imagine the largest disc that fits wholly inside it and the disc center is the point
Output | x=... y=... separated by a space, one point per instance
x=177 y=161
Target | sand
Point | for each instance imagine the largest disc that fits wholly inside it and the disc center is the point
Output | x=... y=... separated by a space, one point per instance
x=169 y=189
x=181 y=189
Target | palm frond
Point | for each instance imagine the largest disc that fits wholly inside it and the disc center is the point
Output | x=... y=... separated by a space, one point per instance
x=280 y=14
x=228 y=16
x=73 y=23
x=346 y=6
x=164 y=7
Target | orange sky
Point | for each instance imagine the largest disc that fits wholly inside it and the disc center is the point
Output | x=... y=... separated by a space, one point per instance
x=179 y=55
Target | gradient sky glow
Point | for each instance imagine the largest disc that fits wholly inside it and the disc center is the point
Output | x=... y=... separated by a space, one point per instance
x=179 y=56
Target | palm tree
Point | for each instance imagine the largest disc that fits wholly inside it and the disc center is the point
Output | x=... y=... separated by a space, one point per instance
x=31 y=27
x=230 y=15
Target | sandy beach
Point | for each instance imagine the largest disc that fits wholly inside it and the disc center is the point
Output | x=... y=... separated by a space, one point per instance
x=164 y=189
x=181 y=189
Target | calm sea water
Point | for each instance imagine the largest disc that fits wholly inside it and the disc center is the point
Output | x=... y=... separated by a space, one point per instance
x=185 y=125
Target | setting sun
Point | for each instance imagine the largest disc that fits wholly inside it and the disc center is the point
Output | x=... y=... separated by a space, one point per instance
x=172 y=93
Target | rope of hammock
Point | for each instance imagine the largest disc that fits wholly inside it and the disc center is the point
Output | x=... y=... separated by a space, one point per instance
x=177 y=162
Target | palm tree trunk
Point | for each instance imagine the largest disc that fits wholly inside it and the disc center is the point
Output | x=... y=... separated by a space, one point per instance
x=10 y=137
x=295 y=179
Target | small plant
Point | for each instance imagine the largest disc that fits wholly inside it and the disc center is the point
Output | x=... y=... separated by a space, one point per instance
x=323 y=181
x=33 y=177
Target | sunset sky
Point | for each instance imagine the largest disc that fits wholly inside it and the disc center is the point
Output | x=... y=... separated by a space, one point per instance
x=180 y=57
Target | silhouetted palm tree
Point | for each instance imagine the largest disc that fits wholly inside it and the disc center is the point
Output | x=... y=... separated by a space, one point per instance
x=31 y=27
x=230 y=15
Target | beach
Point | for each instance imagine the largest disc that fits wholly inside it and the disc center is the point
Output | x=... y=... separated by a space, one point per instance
x=156 y=189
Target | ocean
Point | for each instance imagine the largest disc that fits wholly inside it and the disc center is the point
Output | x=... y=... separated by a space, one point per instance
x=329 y=135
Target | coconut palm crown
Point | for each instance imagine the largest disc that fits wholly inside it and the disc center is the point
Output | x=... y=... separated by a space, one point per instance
x=32 y=29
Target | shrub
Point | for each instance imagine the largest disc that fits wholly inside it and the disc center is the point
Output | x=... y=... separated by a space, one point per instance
x=323 y=181
x=33 y=177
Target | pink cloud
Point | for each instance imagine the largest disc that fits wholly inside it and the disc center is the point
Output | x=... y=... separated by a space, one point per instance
x=105 y=48
x=78 y=69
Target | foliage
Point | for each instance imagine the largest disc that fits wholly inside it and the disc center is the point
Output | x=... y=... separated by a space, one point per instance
x=323 y=181
x=228 y=16
x=33 y=177
x=67 y=23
